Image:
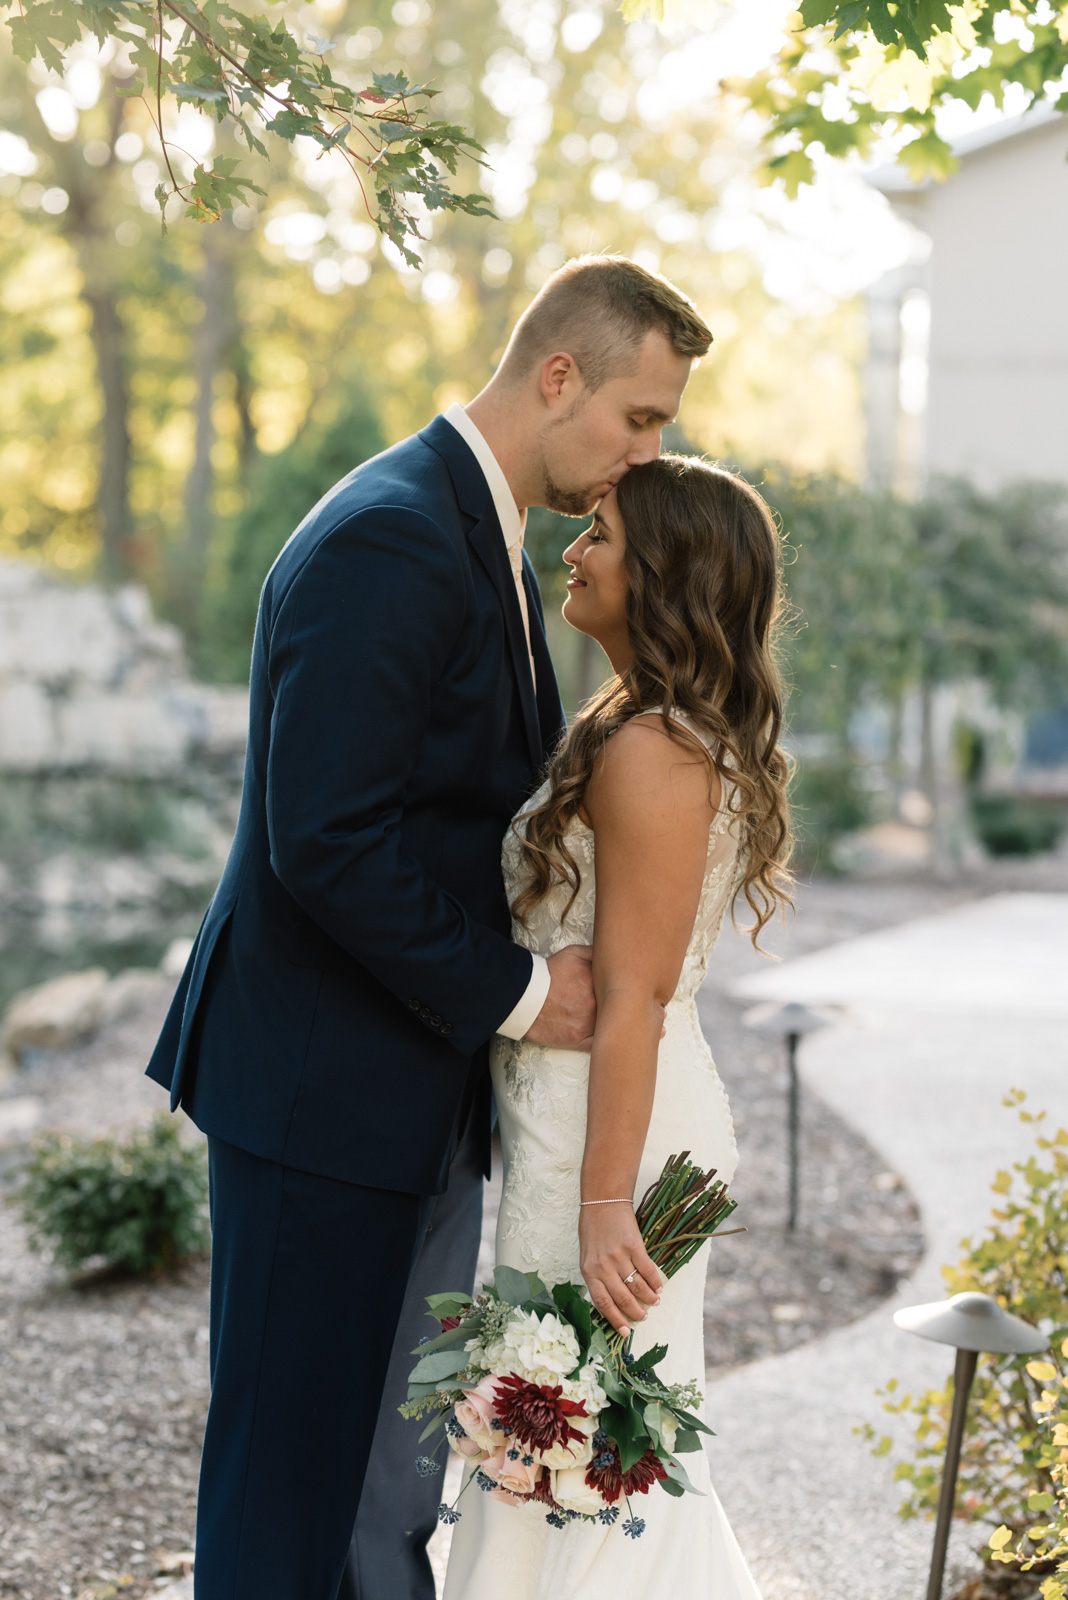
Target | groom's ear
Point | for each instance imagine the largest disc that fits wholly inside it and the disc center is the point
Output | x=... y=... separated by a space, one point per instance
x=560 y=380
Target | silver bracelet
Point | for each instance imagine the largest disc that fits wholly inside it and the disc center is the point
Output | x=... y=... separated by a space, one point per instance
x=622 y=1202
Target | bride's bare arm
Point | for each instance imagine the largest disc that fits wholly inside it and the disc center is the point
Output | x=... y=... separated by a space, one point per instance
x=650 y=808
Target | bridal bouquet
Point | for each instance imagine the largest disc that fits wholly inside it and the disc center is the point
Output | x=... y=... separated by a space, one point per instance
x=544 y=1397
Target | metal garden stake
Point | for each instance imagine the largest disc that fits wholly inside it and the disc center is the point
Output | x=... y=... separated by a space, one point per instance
x=972 y=1323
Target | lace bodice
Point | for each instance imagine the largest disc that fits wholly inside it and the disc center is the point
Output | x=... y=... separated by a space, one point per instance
x=551 y=930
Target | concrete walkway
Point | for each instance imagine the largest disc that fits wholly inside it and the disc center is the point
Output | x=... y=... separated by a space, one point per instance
x=945 y=1014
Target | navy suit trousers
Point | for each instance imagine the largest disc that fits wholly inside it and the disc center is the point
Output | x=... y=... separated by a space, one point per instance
x=308 y=1281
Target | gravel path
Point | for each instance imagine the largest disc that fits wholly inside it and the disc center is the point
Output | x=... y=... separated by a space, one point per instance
x=103 y=1389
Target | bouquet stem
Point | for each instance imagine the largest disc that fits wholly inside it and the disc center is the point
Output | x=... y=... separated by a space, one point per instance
x=680 y=1211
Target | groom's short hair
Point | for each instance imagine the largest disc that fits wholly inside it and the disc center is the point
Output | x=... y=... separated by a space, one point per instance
x=598 y=309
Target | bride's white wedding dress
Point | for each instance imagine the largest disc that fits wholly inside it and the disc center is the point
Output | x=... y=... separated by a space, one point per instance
x=687 y=1551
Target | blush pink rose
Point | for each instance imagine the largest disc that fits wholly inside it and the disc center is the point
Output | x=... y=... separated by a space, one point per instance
x=495 y=1464
x=475 y=1412
x=511 y=1476
x=468 y=1447
x=502 y=1494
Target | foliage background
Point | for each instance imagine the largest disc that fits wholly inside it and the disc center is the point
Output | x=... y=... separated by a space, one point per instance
x=144 y=379
x=170 y=407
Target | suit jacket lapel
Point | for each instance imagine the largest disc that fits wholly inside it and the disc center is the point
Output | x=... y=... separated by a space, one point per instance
x=487 y=541
x=550 y=711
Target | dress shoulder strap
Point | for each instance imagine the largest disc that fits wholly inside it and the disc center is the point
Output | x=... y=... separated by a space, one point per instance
x=676 y=716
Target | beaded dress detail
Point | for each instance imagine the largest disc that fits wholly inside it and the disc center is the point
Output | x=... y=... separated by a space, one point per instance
x=687 y=1551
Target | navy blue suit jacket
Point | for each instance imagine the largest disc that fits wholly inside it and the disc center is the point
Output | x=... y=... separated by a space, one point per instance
x=355 y=960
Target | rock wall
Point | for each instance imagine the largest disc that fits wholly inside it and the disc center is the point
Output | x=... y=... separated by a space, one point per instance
x=91 y=682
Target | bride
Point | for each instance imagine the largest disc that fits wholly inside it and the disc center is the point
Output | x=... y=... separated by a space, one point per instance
x=673 y=777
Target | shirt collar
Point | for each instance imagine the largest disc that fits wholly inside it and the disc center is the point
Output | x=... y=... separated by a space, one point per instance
x=513 y=521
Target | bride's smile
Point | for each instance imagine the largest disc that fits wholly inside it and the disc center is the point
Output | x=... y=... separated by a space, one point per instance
x=598 y=586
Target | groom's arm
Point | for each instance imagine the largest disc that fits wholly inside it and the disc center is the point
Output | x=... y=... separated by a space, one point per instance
x=357 y=646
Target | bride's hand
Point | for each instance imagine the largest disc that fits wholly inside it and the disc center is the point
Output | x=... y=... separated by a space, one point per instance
x=622 y=1280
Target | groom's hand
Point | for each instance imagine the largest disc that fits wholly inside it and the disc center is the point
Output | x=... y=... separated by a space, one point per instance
x=565 y=1021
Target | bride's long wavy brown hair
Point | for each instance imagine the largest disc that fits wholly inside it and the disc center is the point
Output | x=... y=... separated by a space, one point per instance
x=703 y=565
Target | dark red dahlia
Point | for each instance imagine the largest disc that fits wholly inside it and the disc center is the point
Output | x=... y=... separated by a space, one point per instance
x=604 y=1475
x=644 y=1473
x=448 y=1323
x=535 y=1413
x=543 y=1493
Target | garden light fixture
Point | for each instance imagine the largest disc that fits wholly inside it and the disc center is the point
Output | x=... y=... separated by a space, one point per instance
x=791 y=1022
x=972 y=1323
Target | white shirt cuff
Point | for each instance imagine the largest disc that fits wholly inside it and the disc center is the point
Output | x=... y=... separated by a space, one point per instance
x=526 y=1012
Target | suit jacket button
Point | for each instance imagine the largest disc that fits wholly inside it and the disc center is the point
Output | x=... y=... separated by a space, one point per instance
x=446 y=1027
x=424 y=1012
x=436 y=1020
x=413 y=1005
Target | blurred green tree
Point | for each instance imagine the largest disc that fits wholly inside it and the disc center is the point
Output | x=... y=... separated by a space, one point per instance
x=233 y=336
x=283 y=488
x=891 y=597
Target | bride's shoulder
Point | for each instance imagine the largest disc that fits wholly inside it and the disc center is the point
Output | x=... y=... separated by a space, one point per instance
x=642 y=764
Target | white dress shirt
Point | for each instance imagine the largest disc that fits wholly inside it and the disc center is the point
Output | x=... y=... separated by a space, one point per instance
x=513 y=521
x=513 y=525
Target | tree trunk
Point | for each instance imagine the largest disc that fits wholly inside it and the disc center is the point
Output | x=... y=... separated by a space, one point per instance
x=929 y=759
x=213 y=341
x=895 y=774
x=87 y=223
x=943 y=789
x=113 y=501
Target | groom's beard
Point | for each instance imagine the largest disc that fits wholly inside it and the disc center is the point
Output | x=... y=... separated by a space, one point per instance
x=568 y=502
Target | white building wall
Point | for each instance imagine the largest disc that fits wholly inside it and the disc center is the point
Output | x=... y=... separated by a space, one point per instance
x=997 y=407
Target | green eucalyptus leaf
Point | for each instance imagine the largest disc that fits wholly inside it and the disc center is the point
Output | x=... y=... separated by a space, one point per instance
x=433 y=1425
x=441 y=1364
x=678 y=1474
x=448 y=1305
x=688 y=1420
x=512 y=1286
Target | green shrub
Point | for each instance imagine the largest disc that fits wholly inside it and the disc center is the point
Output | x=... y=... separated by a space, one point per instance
x=827 y=801
x=1008 y=826
x=1044 y=1548
x=1005 y=1471
x=140 y=1204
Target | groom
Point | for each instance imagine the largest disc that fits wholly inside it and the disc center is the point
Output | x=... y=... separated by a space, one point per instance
x=330 y=1033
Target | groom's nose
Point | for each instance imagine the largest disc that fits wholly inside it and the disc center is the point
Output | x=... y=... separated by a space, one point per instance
x=645 y=449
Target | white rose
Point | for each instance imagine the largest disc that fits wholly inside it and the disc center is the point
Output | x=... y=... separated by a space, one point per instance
x=573 y=1493
x=575 y=1453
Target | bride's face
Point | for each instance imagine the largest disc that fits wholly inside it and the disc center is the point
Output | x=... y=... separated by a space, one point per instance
x=597 y=588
